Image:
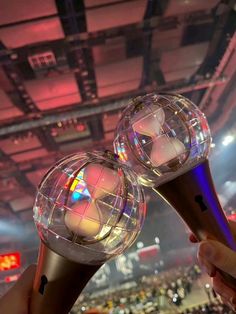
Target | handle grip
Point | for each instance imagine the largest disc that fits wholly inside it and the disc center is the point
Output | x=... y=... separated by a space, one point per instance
x=58 y=282
x=193 y=196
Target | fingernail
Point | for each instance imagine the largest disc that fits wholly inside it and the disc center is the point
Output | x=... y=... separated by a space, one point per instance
x=231 y=306
x=207 y=250
x=213 y=272
x=207 y=269
x=233 y=300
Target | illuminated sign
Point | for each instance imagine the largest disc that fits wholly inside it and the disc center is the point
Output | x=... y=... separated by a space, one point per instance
x=148 y=253
x=9 y=261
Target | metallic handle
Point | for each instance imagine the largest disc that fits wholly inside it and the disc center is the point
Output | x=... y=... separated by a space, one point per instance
x=193 y=196
x=58 y=282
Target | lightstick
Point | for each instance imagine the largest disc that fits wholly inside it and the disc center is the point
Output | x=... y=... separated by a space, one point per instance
x=89 y=208
x=166 y=139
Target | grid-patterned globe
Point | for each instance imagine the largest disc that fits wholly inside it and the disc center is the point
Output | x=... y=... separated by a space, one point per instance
x=89 y=207
x=160 y=136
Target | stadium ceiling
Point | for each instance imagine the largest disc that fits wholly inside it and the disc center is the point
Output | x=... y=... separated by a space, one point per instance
x=68 y=68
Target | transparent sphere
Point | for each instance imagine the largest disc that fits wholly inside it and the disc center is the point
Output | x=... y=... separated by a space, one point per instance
x=89 y=207
x=161 y=136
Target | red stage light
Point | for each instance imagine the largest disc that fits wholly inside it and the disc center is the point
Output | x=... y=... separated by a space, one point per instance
x=9 y=261
x=232 y=217
x=80 y=127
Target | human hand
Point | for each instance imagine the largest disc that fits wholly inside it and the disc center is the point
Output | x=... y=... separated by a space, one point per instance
x=213 y=255
x=16 y=300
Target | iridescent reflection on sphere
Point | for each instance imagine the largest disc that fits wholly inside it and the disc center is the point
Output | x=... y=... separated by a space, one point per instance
x=161 y=136
x=89 y=208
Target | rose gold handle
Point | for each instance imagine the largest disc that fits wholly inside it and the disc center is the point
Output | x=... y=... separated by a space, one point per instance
x=193 y=196
x=58 y=283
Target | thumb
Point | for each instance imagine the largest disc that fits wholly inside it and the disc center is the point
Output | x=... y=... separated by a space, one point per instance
x=24 y=284
x=17 y=298
x=219 y=255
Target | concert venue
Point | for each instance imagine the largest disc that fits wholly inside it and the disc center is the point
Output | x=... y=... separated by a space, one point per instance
x=117 y=156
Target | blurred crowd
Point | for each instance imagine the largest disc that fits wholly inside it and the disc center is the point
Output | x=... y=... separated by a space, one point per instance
x=215 y=307
x=164 y=291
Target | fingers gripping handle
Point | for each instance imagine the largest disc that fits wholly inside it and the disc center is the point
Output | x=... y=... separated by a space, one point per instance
x=194 y=198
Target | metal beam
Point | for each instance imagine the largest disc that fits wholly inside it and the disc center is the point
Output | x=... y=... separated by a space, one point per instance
x=26 y=103
x=80 y=59
x=95 y=109
x=206 y=100
x=19 y=175
x=156 y=22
